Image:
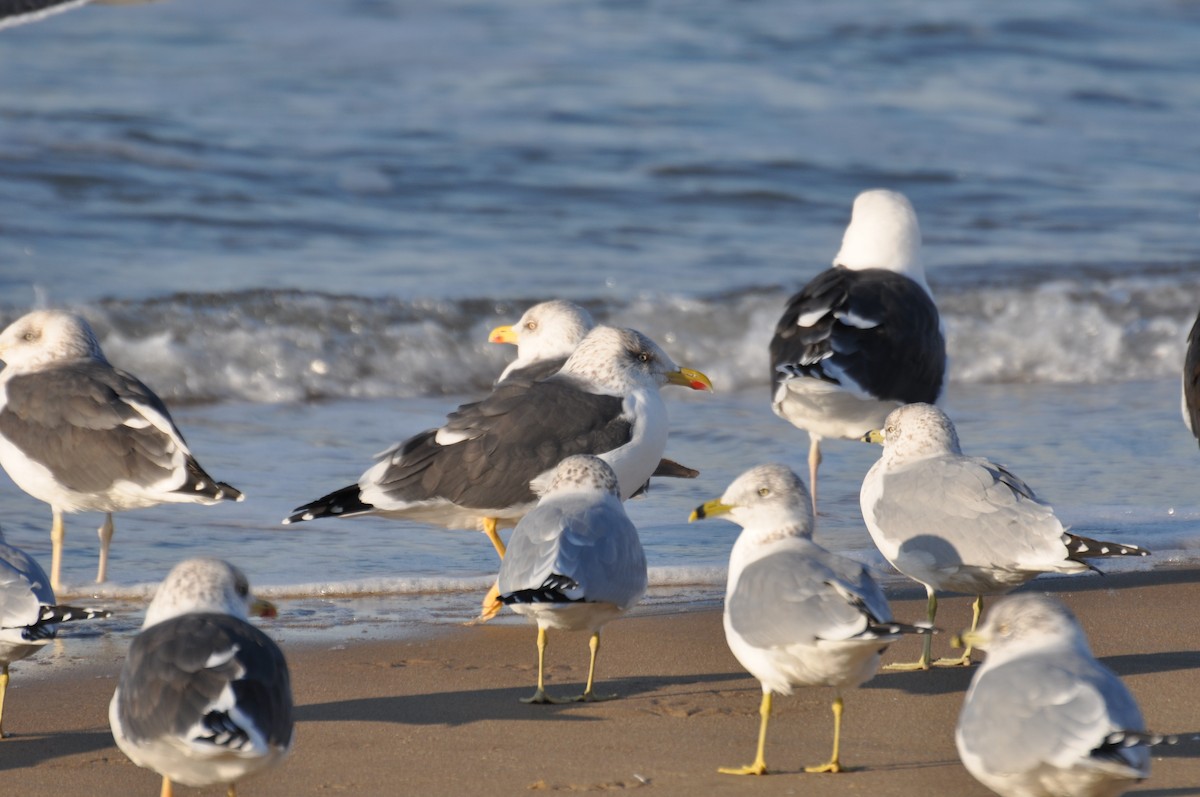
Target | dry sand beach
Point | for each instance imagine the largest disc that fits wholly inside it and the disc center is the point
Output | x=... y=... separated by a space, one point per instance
x=439 y=715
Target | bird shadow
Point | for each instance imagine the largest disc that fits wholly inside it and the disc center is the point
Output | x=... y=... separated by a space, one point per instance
x=1118 y=580
x=934 y=681
x=467 y=706
x=1186 y=746
x=1147 y=663
x=19 y=751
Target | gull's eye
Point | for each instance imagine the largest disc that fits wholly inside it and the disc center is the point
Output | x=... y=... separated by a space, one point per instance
x=644 y=357
x=531 y=325
x=764 y=491
x=30 y=336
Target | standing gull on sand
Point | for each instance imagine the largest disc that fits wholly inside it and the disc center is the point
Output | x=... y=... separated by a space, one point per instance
x=29 y=613
x=1042 y=717
x=796 y=614
x=574 y=562
x=962 y=524
x=84 y=436
x=475 y=472
x=204 y=697
x=863 y=337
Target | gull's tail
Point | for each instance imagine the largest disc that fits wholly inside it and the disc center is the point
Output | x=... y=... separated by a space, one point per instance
x=205 y=488
x=346 y=502
x=50 y=616
x=1080 y=548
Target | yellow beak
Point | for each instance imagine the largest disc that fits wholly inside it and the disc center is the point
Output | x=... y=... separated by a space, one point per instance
x=503 y=334
x=689 y=378
x=713 y=508
x=874 y=436
x=263 y=608
x=969 y=639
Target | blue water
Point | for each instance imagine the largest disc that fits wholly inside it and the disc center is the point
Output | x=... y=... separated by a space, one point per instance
x=297 y=221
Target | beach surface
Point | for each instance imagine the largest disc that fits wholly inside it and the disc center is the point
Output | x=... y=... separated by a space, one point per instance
x=439 y=714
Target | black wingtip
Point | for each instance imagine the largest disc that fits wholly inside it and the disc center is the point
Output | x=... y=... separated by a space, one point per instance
x=672 y=469
x=1080 y=548
x=345 y=502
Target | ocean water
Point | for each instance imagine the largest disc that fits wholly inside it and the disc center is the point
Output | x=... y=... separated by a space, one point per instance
x=298 y=220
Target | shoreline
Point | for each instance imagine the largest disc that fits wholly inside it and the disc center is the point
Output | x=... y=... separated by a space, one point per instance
x=438 y=713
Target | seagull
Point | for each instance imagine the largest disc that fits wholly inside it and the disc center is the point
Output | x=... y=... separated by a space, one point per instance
x=1191 y=381
x=82 y=435
x=863 y=337
x=204 y=697
x=29 y=613
x=962 y=524
x=545 y=336
x=479 y=470
x=796 y=614
x=1042 y=716
x=574 y=562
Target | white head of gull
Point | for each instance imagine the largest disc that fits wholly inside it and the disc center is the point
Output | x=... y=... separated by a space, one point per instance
x=545 y=336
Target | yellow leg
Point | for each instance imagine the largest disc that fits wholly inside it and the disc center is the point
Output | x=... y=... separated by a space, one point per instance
x=105 y=533
x=491 y=605
x=57 y=535
x=588 y=695
x=166 y=788
x=759 y=767
x=835 y=763
x=3 y=691
x=965 y=659
x=927 y=648
x=540 y=695
x=814 y=462
x=489 y=528
x=231 y=791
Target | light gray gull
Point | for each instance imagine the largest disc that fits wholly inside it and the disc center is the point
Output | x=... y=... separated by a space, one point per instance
x=574 y=561
x=1191 y=381
x=796 y=614
x=29 y=612
x=84 y=436
x=863 y=337
x=962 y=524
x=1042 y=716
x=477 y=471
x=545 y=336
x=204 y=697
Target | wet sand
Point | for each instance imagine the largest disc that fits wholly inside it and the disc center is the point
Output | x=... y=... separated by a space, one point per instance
x=439 y=715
